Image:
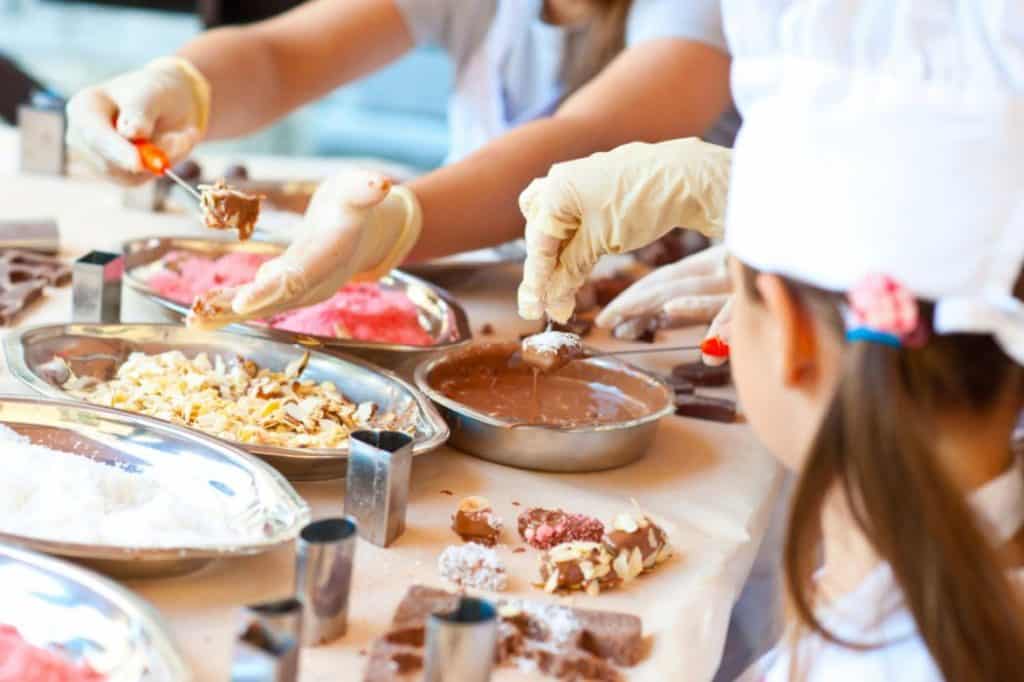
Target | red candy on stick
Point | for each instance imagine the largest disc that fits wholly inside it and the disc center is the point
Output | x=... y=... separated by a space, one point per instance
x=715 y=347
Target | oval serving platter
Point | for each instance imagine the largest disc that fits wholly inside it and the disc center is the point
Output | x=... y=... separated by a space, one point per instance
x=438 y=313
x=98 y=350
x=86 y=617
x=257 y=498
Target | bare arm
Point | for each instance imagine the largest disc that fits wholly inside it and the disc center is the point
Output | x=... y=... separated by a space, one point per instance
x=654 y=91
x=261 y=72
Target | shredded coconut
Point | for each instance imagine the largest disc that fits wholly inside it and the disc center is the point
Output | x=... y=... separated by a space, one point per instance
x=55 y=495
x=560 y=622
x=552 y=342
x=473 y=565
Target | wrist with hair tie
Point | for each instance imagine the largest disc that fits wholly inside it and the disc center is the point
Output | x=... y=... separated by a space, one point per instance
x=882 y=310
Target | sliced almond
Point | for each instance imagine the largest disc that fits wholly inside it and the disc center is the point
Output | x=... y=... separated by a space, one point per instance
x=625 y=523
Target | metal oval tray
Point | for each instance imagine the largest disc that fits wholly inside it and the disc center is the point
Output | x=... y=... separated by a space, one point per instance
x=99 y=349
x=258 y=496
x=86 y=617
x=439 y=314
x=549 y=448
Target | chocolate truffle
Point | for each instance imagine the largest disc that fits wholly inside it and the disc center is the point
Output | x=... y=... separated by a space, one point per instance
x=475 y=521
x=545 y=528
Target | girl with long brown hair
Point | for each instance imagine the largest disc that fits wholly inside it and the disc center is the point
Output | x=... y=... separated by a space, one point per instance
x=876 y=231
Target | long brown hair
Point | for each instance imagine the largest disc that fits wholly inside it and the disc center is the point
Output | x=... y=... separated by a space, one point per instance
x=603 y=37
x=876 y=445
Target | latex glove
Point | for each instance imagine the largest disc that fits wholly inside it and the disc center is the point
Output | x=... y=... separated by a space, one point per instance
x=689 y=291
x=167 y=102
x=614 y=202
x=357 y=227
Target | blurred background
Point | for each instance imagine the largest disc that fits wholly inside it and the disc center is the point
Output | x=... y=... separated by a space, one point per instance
x=63 y=45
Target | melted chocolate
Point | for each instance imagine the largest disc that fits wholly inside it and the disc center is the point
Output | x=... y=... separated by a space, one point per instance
x=579 y=394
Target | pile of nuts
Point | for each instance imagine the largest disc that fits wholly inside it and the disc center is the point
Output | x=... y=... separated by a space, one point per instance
x=237 y=400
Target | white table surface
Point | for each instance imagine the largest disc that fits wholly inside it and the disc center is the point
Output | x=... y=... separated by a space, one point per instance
x=710 y=484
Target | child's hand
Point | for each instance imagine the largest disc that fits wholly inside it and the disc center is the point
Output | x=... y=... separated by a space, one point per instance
x=692 y=290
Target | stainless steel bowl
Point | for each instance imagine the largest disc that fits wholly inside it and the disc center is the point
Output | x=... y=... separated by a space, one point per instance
x=550 y=448
x=54 y=604
x=97 y=350
x=439 y=314
x=259 y=499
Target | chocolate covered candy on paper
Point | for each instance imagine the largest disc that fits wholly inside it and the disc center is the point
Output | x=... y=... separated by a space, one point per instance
x=635 y=533
x=544 y=528
x=475 y=521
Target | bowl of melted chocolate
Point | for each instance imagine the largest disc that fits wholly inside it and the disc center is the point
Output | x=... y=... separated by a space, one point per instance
x=592 y=414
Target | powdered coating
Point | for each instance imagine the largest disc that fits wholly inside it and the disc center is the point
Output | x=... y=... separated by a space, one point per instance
x=473 y=565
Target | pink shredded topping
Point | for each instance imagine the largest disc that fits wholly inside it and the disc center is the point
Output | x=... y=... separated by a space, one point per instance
x=24 y=662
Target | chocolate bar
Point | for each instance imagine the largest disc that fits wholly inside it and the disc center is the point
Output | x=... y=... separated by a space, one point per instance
x=704 y=407
x=26 y=265
x=545 y=528
x=475 y=521
x=560 y=642
x=24 y=276
x=679 y=385
x=700 y=374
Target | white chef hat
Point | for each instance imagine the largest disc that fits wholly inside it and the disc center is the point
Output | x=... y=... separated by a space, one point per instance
x=887 y=149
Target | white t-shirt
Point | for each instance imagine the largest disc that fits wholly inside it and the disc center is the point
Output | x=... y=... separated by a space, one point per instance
x=529 y=84
x=874 y=614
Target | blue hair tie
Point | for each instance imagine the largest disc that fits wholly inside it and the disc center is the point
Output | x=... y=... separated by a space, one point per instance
x=872 y=336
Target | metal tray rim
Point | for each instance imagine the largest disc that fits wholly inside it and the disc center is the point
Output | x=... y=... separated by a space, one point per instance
x=149 y=620
x=461 y=319
x=424 y=368
x=15 y=354
x=299 y=507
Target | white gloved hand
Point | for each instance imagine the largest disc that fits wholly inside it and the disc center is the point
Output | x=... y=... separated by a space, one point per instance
x=614 y=202
x=167 y=102
x=357 y=227
x=689 y=291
